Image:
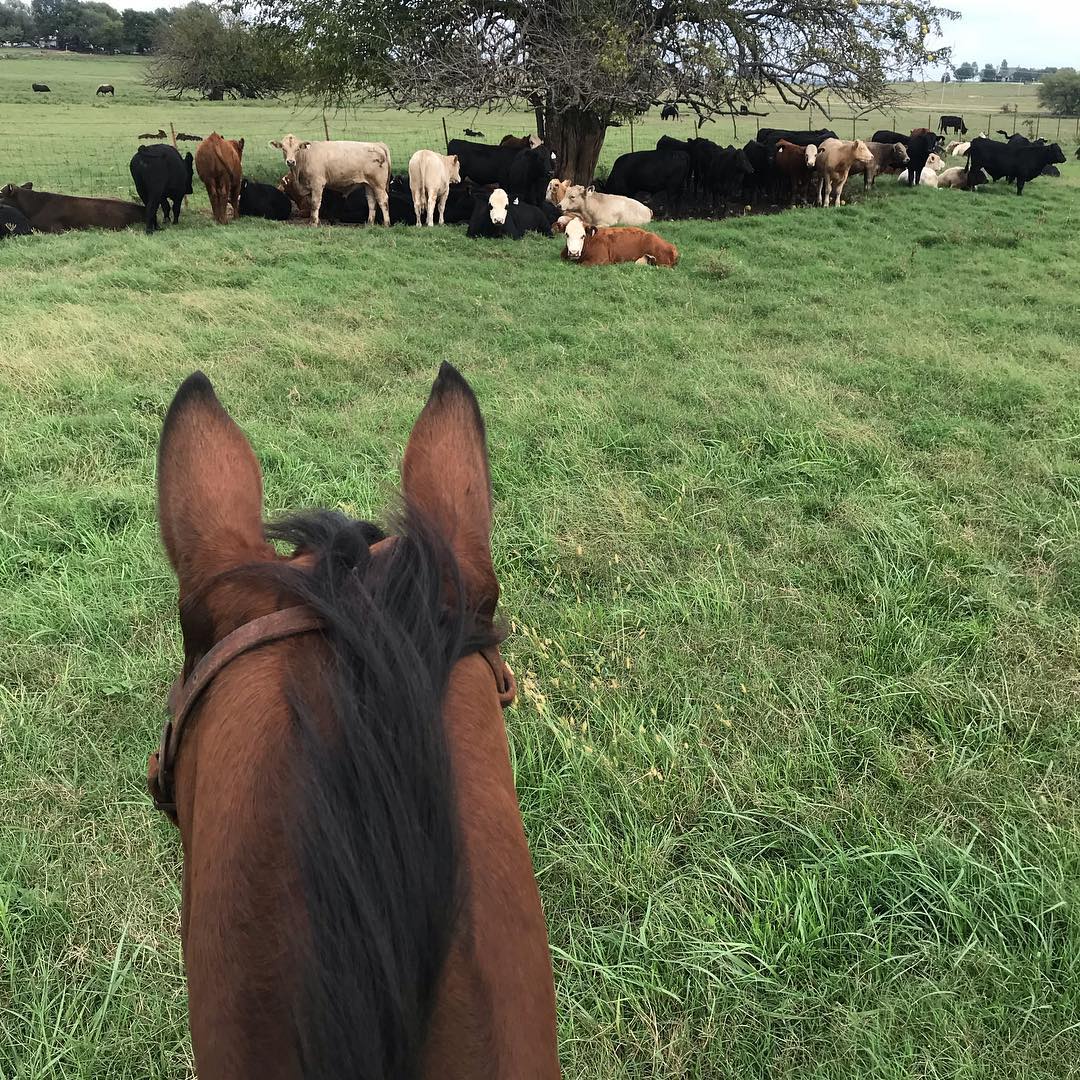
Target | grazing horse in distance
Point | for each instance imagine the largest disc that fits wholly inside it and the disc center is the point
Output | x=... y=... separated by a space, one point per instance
x=358 y=896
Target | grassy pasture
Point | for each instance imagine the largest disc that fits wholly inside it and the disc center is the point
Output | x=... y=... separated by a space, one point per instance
x=790 y=545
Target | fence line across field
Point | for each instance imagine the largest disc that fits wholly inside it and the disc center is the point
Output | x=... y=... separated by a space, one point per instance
x=101 y=166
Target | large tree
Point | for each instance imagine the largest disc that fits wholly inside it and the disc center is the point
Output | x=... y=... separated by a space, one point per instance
x=203 y=50
x=585 y=63
x=1060 y=92
x=16 y=22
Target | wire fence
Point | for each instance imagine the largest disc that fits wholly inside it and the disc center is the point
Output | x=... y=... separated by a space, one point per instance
x=97 y=163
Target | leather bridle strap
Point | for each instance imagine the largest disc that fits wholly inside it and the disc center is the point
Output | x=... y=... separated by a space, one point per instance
x=185 y=693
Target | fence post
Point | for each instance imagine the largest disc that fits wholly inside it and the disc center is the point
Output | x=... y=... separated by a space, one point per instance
x=631 y=136
x=326 y=130
x=446 y=138
x=1037 y=119
x=1057 y=137
x=852 y=130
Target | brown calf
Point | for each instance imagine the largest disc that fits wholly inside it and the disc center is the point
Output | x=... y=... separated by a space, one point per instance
x=218 y=163
x=592 y=246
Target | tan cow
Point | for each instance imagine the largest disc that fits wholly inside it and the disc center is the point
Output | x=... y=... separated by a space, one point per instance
x=341 y=166
x=557 y=189
x=219 y=163
x=835 y=158
x=430 y=177
x=604 y=210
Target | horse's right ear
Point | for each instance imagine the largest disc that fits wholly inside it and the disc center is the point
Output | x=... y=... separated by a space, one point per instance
x=445 y=476
x=209 y=488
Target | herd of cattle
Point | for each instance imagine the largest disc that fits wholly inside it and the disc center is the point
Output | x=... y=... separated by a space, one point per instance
x=512 y=188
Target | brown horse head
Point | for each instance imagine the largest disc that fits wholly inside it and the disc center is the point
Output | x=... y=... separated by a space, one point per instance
x=358 y=896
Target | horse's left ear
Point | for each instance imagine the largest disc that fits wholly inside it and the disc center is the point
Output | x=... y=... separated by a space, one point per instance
x=445 y=476
x=209 y=488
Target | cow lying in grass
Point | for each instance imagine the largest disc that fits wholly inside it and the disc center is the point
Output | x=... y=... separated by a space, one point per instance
x=51 y=213
x=603 y=210
x=592 y=246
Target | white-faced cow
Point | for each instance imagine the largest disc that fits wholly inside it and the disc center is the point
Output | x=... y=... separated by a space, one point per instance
x=341 y=166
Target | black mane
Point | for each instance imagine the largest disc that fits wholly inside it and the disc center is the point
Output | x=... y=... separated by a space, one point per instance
x=376 y=833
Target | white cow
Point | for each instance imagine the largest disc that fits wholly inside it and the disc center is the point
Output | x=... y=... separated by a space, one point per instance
x=341 y=166
x=604 y=210
x=430 y=177
x=956 y=177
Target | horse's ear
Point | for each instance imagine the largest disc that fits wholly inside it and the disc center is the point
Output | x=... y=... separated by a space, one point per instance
x=209 y=488
x=445 y=476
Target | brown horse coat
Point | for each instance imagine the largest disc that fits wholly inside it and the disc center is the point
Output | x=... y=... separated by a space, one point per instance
x=247 y=919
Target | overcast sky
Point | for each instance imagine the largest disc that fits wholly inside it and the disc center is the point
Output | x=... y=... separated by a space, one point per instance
x=1030 y=33
x=1037 y=33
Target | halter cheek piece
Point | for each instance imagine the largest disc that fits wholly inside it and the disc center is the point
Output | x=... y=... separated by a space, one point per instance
x=185 y=693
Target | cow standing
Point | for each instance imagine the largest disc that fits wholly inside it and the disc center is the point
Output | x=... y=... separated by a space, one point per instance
x=106 y=88
x=430 y=177
x=219 y=163
x=1019 y=163
x=835 y=160
x=161 y=174
x=342 y=166
x=952 y=123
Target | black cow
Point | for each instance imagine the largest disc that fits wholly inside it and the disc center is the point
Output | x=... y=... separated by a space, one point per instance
x=760 y=182
x=264 y=201
x=529 y=173
x=399 y=196
x=919 y=148
x=670 y=111
x=462 y=200
x=13 y=222
x=1078 y=153
x=1050 y=170
x=799 y=138
x=491 y=218
x=1022 y=163
x=474 y=134
x=483 y=164
x=952 y=123
x=529 y=218
x=106 y=88
x=718 y=172
x=161 y=174
x=651 y=171
x=1023 y=140
x=40 y=88
x=890 y=136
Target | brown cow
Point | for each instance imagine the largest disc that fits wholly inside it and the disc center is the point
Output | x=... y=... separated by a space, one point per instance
x=51 y=213
x=219 y=164
x=888 y=158
x=521 y=142
x=796 y=165
x=591 y=246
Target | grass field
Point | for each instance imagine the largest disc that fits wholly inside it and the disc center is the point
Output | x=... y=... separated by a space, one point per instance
x=790 y=543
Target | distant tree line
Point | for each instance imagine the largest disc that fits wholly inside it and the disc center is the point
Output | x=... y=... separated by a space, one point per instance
x=90 y=26
x=1002 y=73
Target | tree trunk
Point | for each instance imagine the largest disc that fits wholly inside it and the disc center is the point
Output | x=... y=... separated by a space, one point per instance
x=577 y=138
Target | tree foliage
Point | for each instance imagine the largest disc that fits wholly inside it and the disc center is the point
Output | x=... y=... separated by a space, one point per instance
x=215 y=54
x=966 y=72
x=16 y=22
x=989 y=73
x=1060 y=92
x=585 y=63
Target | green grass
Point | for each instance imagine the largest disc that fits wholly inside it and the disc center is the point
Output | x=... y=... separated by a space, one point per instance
x=790 y=544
